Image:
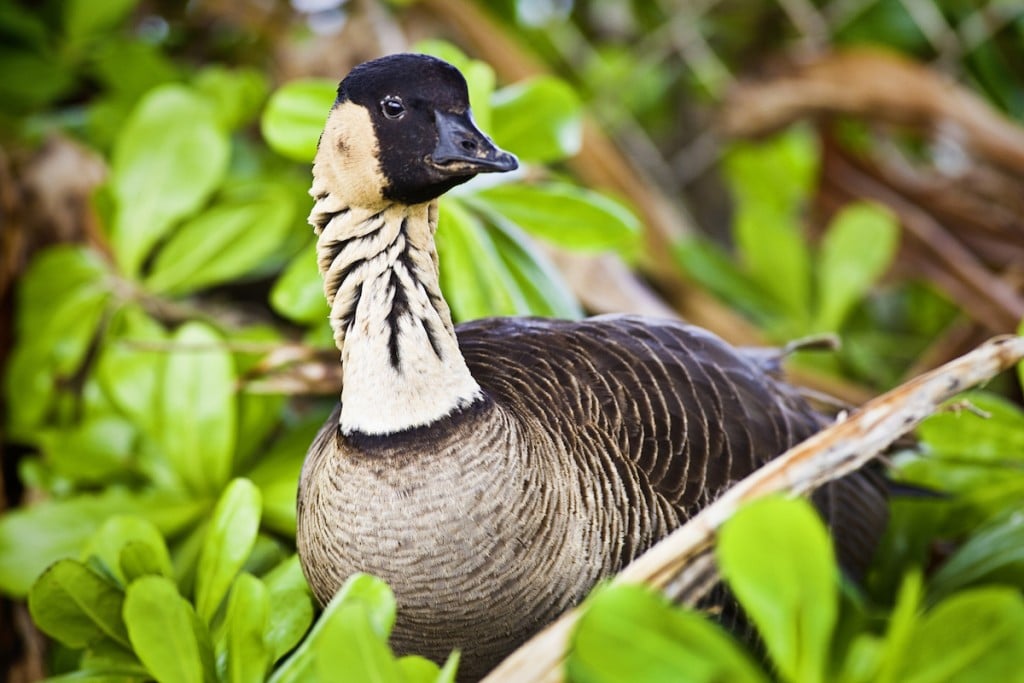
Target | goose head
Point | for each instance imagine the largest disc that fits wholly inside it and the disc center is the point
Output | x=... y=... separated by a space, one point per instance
x=401 y=130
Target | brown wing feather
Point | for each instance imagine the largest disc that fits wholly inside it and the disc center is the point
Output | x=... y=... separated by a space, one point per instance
x=685 y=414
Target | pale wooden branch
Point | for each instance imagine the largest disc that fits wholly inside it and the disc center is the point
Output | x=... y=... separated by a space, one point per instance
x=838 y=450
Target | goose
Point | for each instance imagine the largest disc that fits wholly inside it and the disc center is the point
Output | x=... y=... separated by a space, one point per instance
x=493 y=472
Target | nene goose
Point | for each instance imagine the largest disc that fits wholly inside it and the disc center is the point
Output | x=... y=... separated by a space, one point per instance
x=493 y=472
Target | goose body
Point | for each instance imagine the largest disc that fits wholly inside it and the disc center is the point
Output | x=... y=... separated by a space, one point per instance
x=494 y=472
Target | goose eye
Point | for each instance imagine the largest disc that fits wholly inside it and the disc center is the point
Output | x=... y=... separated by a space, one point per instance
x=392 y=107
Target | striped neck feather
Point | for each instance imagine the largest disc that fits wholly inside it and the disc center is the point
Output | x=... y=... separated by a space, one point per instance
x=401 y=363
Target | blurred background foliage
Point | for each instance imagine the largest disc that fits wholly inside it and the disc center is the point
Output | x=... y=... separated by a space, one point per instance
x=751 y=166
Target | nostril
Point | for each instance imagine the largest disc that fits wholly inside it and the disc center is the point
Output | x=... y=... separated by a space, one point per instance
x=469 y=145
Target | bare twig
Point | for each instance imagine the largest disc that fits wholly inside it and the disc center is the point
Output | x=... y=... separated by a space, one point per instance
x=830 y=454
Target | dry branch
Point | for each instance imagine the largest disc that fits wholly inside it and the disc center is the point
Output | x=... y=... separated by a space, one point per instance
x=830 y=454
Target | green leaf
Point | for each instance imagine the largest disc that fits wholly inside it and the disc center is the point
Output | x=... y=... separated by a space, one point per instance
x=294 y=117
x=540 y=119
x=163 y=631
x=298 y=293
x=245 y=622
x=85 y=18
x=474 y=279
x=146 y=551
x=77 y=606
x=61 y=299
x=775 y=254
x=977 y=635
x=277 y=471
x=347 y=642
x=777 y=174
x=236 y=94
x=416 y=669
x=361 y=597
x=776 y=556
x=291 y=607
x=170 y=156
x=902 y=622
x=31 y=80
x=229 y=540
x=94 y=451
x=994 y=552
x=223 y=243
x=713 y=269
x=198 y=410
x=32 y=538
x=858 y=247
x=128 y=371
x=563 y=214
x=628 y=633
x=541 y=285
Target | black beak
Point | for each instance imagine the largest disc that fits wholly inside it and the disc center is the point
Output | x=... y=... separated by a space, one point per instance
x=463 y=150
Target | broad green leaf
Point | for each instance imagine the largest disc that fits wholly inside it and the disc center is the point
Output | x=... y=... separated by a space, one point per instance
x=77 y=606
x=361 y=597
x=163 y=631
x=291 y=607
x=118 y=532
x=294 y=117
x=777 y=174
x=628 y=633
x=974 y=636
x=474 y=279
x=775 y=254
x=450 y=669
x=95 y=451
x=277 y=472
x=86 y=18
x=993 y=552
x=236 y=94
x=223 y=243
x=298 y=293
x=479 y=77
x=542 y=286
x=130 y=365
x=706 y=263
x=539 y=120
x=61 y=299
x=776 y=556
x=32 y=538
x=966 y=435
x=347 y=642
x=416 y=669
x=229 y=540
x=31 y=80
x=858 y=247
x=168 y=159
x=563 y=214
x=198 y=410
x=245 y=622
x=903 y=620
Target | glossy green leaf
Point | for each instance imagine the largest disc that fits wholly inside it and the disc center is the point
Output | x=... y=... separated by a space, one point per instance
x=712 y=268
x=85 y=18
x=776 y=556
x=361 y=597
x=148 y=553
x=245 y=622
x=777 y=173
x=563 y=214
x=163 y=631
x=473 y=276
x=130 y=365
x=94 y=451
x=995 y=551
x=775 y=254
x=347 y=642
x=544 y=290
x=416 y=669
x=31 y=79
x=857 y=249
x=291 y=606
x=236 y=94
x=198 y=408
x=61 y=299
x=168 y=159
x=540 y=119
x=628 y=633
x=294 y=117
x=972 y=637
x=229 y=540
x=77 y=606
x=32 y=538
x=277 y=471
x=298 y=293
x=902 y=622
x=223 y=243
